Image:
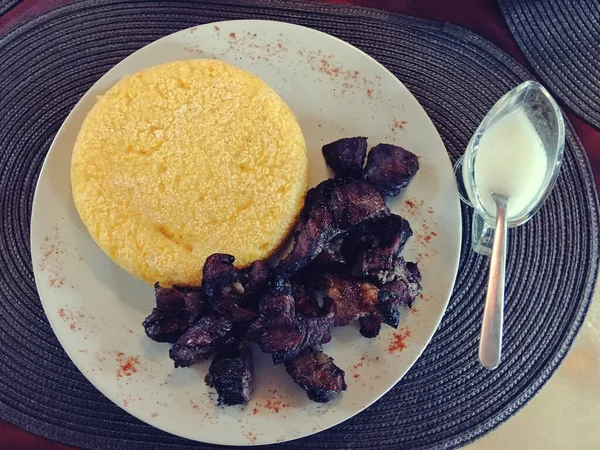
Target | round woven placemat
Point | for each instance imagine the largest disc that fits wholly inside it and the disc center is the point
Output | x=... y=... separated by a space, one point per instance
x=447 y=399
x=561 y=41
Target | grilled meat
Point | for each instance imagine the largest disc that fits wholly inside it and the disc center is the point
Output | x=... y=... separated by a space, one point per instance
x=283 y=333
x=379 y=262
x=177 y=308
x=316 y=373
x=208 y=335
x=346 y=156
x=390 y=168
x=305 y=300
x=355 y=203
x=333 y=208
x=231 y=373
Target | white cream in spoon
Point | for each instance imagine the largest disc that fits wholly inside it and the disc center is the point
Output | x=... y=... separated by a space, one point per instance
x=510 y=161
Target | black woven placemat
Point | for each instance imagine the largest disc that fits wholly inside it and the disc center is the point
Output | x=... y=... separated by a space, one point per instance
x=7 y=5
x=561 y=41
x=447 y=399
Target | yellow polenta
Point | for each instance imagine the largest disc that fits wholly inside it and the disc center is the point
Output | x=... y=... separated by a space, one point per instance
x=186 y=159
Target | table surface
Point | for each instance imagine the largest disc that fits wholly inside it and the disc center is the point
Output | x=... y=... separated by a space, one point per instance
x=565 y=413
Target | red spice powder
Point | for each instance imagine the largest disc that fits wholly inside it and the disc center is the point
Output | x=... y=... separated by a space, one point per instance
x=154 y=414
x=128 y=365
x=370 y=93
x=232 y=35
x=61 y=313
x=193 y=405
x=275 y=405
x=396 y=125
x=357 y=375
x=217 y=28
x=410 y=203
x=398 y=341
x=255 y=411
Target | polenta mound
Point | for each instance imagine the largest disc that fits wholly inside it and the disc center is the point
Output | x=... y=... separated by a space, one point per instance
x=186 y=159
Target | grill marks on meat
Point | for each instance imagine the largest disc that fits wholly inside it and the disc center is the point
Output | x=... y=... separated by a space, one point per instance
x=316 y=373
x=283 y=333
x=345 y=225
x=346 y=156
x=201 y=340
x=390 y=168
x=231 y=373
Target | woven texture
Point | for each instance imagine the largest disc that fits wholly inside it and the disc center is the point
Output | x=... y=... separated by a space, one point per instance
x=7 y=5
x=447 y=399
x=561 y=41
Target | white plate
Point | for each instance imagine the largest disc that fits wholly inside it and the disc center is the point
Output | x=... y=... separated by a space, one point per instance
x=96 y=309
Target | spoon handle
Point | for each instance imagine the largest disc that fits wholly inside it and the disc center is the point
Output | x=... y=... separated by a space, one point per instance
x=490 y=344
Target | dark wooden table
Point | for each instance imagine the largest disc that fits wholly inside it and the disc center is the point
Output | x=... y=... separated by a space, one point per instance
x=480 y=16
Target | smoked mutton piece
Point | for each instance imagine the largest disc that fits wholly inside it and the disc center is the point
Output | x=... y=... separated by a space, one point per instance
x=346 y=156
x=390 y=168
x=316 y=373
x=231 y=373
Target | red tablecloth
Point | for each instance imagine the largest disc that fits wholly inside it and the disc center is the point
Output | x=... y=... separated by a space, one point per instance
x=480 y=16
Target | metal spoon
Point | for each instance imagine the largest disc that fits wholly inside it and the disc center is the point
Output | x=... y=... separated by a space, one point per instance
x=490 y=343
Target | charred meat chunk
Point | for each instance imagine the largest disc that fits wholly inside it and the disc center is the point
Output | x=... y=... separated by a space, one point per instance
x=305 y=300
x=370 y=325
x=177 y=308
x=306 y=332
x=231 y=373
x=379 y=262
x=219 y=273
x=332 y=208
x=165 y=326
x=201 y=340
x=309 y=242
x=316 y=373
x=319 y=196
x=318 y=228
x=339 y=251
x=231 y=291
x=254 y=281
x=398 y=293
x=409 y=273
x=390 y=168
x=355 y=203
x=351 y=297
x=283 y=333
x=346 y=156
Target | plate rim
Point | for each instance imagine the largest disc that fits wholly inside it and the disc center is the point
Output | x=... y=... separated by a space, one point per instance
x=454 y=267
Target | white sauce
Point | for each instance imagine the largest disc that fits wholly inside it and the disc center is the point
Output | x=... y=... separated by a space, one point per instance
x=510 y=161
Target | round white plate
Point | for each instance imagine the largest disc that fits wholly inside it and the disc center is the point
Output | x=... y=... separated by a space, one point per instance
x=96 y=309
